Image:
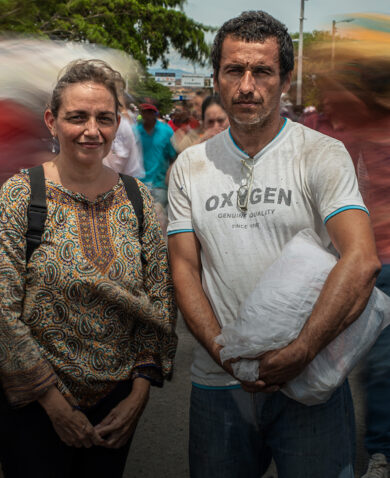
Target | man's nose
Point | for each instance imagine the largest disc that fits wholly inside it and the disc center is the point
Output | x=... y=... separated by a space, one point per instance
x=247 y=83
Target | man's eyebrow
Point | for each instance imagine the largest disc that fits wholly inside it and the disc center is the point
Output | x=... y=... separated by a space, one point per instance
x=83 y=112
x=234 y=64
x=258 y=66
x=262 y=67
x=72 y=112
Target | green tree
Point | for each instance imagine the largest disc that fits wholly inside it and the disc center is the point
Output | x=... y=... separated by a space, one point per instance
x=316 y=61
x=147 y=89
x=311 y=39
x=146 y=29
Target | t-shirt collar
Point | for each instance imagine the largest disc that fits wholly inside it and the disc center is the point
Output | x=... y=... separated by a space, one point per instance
x=280 y=134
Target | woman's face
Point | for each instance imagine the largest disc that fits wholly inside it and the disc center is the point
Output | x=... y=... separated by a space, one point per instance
x=215 y=117
x=86 y=123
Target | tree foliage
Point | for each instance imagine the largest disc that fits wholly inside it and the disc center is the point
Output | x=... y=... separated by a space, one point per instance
x=148 y=90
x=144 y=28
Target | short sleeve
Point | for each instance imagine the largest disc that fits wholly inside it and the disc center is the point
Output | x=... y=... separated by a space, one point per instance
x=332 y=181
x=179 y=209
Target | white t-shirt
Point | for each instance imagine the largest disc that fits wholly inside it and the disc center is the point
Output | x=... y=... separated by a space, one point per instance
x=126 y=154
x=301 y=179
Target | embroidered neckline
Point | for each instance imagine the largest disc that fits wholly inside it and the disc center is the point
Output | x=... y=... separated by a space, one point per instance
x=81 y=197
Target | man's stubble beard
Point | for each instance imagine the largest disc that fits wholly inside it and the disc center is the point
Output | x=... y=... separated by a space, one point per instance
x=259 y=121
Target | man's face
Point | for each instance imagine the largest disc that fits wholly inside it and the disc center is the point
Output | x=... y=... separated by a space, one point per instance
x=181 y=114
x=249 y=81
x=148 y=116
x=197 y=101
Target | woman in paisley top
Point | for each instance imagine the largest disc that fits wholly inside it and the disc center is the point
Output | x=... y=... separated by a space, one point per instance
x=88 y=323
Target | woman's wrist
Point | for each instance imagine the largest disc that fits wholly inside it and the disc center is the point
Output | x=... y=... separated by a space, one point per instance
x=141 y=386
x=53 y=399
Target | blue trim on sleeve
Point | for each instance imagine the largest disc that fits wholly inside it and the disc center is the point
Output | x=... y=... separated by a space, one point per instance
x=208 y=387
x=178 y=231
x=345 y=208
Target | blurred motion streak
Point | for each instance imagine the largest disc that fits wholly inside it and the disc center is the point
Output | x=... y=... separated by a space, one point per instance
x=355 y=108
x=29 y=69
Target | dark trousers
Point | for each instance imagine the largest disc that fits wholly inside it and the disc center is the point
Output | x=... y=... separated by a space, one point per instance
x=30 y=447
x=377 y=384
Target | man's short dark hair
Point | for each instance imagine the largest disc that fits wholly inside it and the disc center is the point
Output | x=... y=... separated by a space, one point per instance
x=256 y=26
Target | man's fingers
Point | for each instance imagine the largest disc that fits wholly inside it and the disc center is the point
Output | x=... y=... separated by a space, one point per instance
x=271 y=389
x=234 y=360
x=259 y=386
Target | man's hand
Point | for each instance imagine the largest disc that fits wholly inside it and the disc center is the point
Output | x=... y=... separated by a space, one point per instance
x=280 y=366
x=276 y=367
x=118 y=426
x=72 y=426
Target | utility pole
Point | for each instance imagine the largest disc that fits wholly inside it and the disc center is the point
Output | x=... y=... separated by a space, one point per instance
x=334 y=30
x=300 y=54
x=333 y=44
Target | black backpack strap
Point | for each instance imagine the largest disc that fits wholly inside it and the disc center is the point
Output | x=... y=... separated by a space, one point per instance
x=134 y=195
x=37 y=210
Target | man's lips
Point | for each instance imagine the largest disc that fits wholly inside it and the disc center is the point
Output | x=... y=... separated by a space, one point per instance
x=246 y=103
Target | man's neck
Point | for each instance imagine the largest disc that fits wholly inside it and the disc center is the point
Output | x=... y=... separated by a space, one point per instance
x=253 y=138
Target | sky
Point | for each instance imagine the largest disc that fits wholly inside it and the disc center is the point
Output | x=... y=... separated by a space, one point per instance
x=318 y=15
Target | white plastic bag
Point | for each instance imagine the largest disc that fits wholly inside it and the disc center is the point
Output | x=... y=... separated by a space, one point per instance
x=277 y=309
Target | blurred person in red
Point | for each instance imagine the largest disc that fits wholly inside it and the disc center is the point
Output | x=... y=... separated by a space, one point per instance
x=340 y=113
x=182 y=118
x=22 y=139
x=356 y=110
x=373 y=168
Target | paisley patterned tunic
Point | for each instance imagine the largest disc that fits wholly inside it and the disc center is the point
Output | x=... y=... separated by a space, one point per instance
x=92 y=307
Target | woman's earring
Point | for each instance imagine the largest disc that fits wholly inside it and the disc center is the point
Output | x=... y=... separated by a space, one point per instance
x=53 y=144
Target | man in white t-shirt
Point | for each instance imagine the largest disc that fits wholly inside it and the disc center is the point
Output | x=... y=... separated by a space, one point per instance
x=234 y=201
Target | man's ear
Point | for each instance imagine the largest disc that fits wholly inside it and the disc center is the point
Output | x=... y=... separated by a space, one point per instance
x=50 y=122
x=215 y=80
x=287 y=82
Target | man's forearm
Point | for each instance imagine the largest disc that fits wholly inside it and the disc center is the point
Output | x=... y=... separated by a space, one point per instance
x=343 y=298
x=196 y=309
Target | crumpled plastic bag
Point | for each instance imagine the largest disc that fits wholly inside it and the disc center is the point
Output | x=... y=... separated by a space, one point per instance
x=277 y=309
